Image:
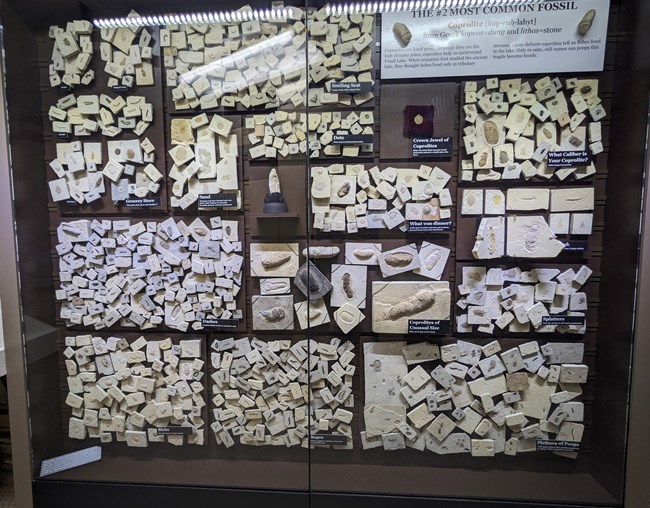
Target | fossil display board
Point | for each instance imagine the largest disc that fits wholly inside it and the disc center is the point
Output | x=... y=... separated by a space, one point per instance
x=113 y=194
x=351 y=262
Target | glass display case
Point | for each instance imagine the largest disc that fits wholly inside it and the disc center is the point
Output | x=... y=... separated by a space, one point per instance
x=310 y=253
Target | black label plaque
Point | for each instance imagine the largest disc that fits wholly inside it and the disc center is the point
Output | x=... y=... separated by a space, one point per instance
x=174 y=430
x=63 y=135
x=328 y=439
x=121 y=88
x=430 y=226
x=575 y=246
x=219 y=323
x=429 y=326
x=568 y=159
x=70 y=202
x=142 y=202
x=351 y=87
x=437 y=148
x=221 y=200
x=550 y=445
x=351 y=139
x=563 y=320
x=65 y=88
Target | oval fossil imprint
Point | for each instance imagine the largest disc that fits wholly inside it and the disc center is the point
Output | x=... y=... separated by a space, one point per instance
x=491 y=132
x=364 y=253
x=274 y=286
x=343 y=190
x=399 y=259
x=273 y=315
x=274 y=259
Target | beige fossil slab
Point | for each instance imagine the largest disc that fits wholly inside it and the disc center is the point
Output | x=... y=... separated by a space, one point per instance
x=362 y=253
x=349 y=285
x=275 y=286
x=523 y=199
x=272 y=312
x=531 y=237
x=383 y=378
x=395 y=303
x=490 y=238
x=399 y=260
x=347 y=317
x=383 y=419
x=311 y=314
x=274 y=259
x=433 y=259
x=576 y=199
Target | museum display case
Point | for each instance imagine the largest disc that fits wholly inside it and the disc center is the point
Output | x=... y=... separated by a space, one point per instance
x=353 y=253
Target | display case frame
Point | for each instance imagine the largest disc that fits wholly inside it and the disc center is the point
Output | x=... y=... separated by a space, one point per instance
x=626 y=144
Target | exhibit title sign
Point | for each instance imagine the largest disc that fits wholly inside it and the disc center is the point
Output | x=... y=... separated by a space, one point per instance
x=551 y=36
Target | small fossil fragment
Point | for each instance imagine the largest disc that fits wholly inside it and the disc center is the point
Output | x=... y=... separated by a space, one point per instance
x=343 y=190
x=402 y=34
x=320 y=252
x=399 y=259
x=575 y=141
x=587 y=20
x=364 y=253
x=347 y=285
x=417 y=303
x=547 y=133
x=491 y=132
x=503 y=157
x=484 y=158
x=275 y=259
x=273 y=315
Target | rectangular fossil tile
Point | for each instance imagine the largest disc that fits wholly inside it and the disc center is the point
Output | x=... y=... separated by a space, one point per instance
x=399 y=260
x=272 y=312
x=274 y=259
x=525 y=199
x=362 y=253
x=349 y=285
x=572 y=200
x=312 y=313
x=395 y=303
x=433 y=259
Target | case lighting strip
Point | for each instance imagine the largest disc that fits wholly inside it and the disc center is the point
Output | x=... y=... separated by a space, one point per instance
x=278 y=13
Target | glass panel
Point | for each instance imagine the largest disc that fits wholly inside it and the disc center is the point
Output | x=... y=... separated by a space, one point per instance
x=467 y=272
x=171 y=342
